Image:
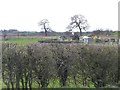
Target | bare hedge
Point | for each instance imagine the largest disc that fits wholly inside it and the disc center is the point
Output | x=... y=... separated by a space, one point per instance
x=75 y=64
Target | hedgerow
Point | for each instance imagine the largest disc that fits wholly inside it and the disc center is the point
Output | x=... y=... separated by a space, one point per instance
x=41 y=63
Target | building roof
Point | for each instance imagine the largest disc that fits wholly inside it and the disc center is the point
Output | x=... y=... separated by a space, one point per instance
x=86 y=37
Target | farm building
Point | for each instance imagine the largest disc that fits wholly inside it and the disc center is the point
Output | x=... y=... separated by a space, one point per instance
x=87 y=39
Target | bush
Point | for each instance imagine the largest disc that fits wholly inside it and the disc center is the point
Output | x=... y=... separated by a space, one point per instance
x=42 y=63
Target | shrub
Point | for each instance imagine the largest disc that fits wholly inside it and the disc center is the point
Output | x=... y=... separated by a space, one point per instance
x=42 y=63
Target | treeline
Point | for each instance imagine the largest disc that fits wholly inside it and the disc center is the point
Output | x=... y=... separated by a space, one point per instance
x=14 y=32
x=42 y=64
x=96 y=32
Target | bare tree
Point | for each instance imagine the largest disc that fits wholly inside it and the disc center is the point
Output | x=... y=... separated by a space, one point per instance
x=78 y=21
x=45 y=25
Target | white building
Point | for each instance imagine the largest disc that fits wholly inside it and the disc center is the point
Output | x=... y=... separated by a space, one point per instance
x=87 y=39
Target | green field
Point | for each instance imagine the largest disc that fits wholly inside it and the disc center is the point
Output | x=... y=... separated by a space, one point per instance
x=28 y=40
x=24 y=41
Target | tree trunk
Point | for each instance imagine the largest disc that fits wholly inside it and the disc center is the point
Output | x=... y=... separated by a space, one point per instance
x=26 y=85
x=22 y=81
x=79 y=29
x=30 y=79
x=26 y=79
x=45 y=30
x=30 y=84
x=63 y=77
x=8 y=85
x=74 y=77
x=12 y=84
x=18 y=84
x=38 y=84
x=44 y=83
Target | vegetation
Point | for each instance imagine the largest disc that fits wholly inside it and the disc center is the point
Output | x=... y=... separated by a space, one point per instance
x=45 y=25
x=28 y=40
x=36 y=62
x=78 y=21
x=44 y=65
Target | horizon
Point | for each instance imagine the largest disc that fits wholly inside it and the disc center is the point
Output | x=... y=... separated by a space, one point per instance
x=59 y=31
x=25 y=15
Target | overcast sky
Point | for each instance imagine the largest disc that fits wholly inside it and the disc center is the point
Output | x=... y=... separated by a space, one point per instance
x=24 y=15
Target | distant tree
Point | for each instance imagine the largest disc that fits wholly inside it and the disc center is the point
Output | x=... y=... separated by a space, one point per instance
x=78 y=21
x=108 y=32
x=76 y=36
x=45 y=25
x=98 y=32
x=4 y=34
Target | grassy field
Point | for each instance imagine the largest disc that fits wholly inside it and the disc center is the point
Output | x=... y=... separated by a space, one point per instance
x=28 y=40
x=24 y=41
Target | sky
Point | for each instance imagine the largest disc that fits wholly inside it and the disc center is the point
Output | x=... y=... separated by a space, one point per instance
x=24 y=15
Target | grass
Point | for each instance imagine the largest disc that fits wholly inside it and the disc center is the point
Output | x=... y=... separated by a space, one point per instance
x=54 y=84
x=23 y=41
x=27 y=40
x=1 y=83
